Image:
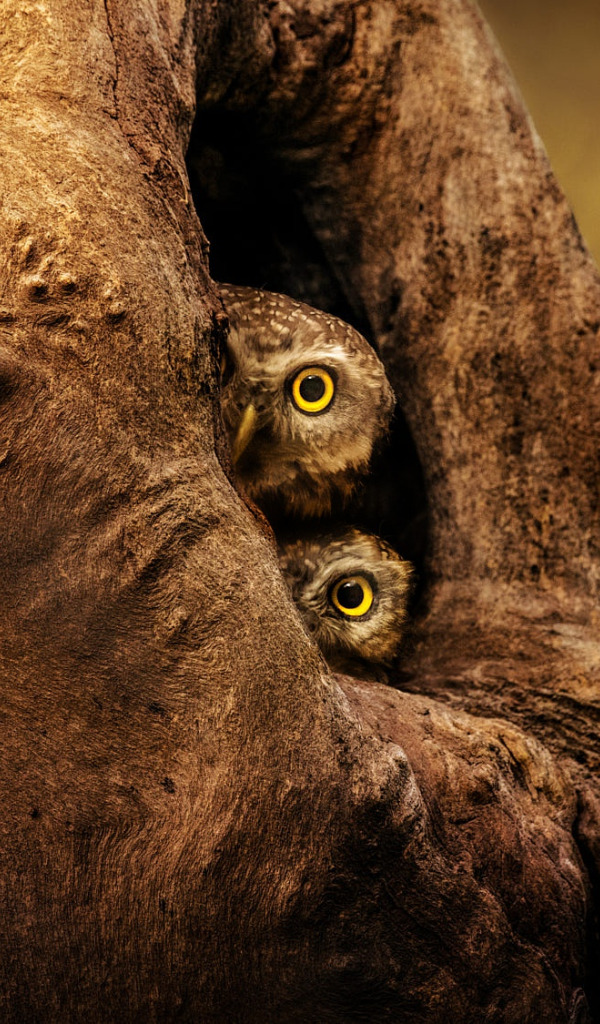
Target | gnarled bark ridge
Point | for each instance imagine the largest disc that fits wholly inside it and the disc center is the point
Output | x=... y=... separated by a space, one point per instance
x=198 y=822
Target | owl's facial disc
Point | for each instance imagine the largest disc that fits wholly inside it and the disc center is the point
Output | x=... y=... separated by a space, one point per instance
x=352 y=590
x=320 y=396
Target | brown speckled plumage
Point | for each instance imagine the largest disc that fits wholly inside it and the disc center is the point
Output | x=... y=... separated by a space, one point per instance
x=314 y=563
x=296 y=462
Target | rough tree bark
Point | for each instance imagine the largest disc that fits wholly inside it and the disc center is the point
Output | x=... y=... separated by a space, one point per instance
x=198 y=823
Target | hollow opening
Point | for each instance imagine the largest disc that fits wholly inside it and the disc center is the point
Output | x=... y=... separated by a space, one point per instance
x=258 y=236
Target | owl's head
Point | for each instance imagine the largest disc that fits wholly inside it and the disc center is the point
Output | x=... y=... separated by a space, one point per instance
x=352 y=590
x=304 y=400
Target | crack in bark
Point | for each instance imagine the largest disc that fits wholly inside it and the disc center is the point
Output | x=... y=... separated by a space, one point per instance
x=115 y=83
x=116 y=114
x=592 y=987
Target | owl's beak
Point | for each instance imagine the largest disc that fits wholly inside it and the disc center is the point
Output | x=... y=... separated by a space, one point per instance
x=246 y=430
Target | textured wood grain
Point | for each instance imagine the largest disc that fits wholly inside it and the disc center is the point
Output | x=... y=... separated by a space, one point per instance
x=198 y=823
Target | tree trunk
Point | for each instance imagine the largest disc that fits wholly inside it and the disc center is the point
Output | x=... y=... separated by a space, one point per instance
x=199 y=824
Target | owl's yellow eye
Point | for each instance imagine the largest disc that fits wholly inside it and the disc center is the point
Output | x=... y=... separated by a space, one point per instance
x=352 y=596
x=312 y=389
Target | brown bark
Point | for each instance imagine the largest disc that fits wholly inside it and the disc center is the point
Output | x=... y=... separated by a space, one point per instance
x=198 y=824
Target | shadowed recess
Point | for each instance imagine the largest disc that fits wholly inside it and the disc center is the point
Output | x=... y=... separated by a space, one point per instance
x=258 y=236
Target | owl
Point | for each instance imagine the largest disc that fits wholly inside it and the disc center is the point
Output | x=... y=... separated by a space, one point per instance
x=352 y=590
x=304 y=401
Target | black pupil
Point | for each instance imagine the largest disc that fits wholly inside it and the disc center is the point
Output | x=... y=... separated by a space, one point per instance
x=350 y=594
x=312 y=388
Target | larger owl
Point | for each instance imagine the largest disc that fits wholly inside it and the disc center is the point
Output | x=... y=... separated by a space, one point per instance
x=352 y=590
x=304 y=401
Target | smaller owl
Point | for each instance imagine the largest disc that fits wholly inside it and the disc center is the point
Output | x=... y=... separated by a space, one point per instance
x=352 y=591
x=304 y=401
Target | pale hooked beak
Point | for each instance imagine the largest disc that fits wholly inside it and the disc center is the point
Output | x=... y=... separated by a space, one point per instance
x=246 y=430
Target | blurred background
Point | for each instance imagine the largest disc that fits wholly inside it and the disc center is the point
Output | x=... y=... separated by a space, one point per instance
x=553 y=48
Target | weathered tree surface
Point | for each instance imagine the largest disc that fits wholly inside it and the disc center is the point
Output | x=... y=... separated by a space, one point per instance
x=198 y=824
